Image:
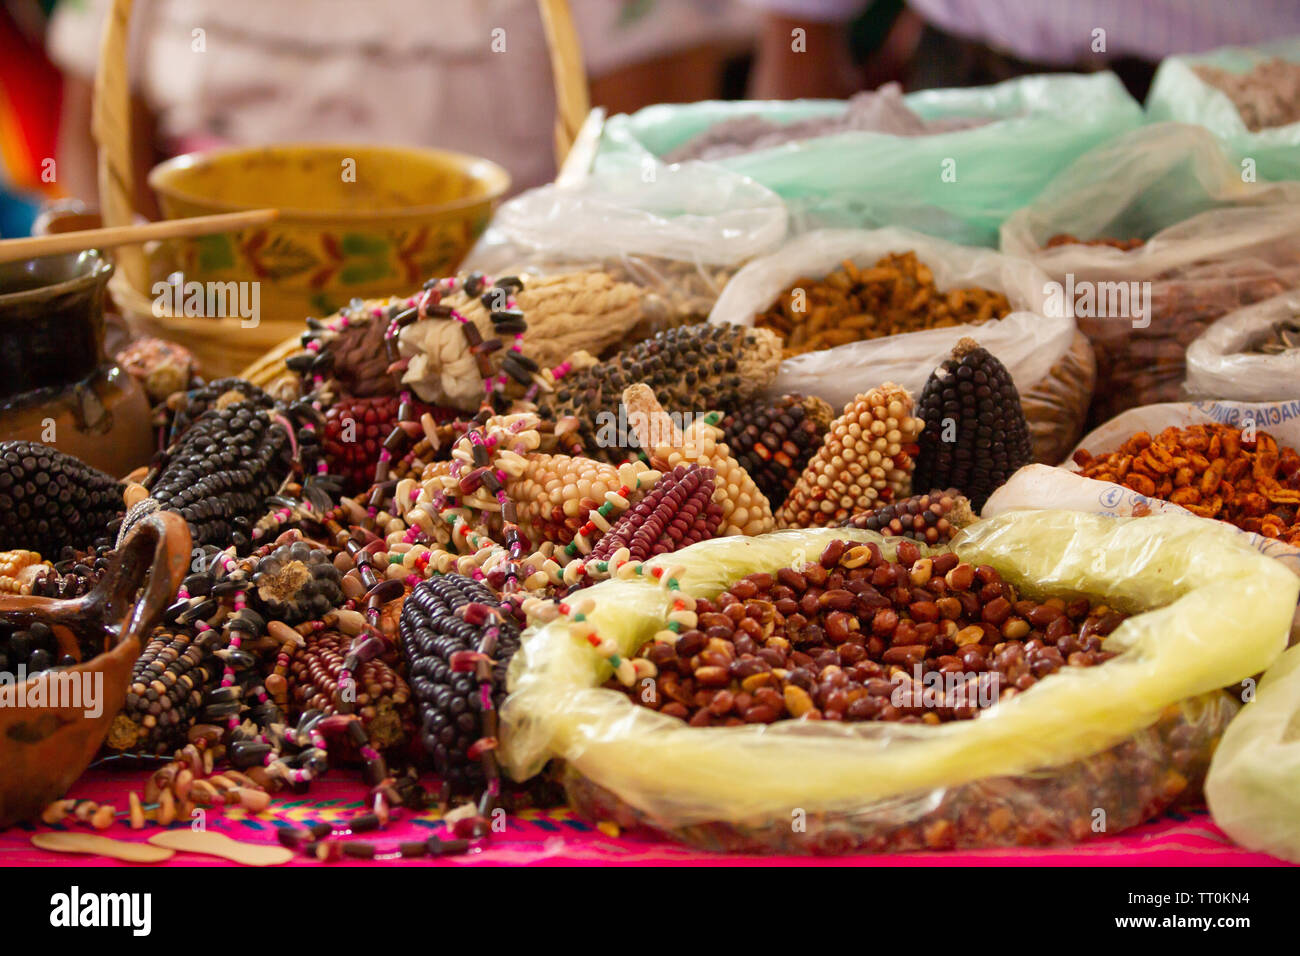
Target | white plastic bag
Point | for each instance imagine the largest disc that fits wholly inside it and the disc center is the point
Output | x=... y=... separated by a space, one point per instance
x=678 y=231
x=1026 y=341
x=1038 y=486
x=1213 y=244
x=1218 y=368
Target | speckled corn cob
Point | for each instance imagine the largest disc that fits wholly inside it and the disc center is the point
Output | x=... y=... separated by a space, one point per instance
x=975 y=434
x=774 y=440
x=555 y=494
x=452 y=711
x=695 y=368
x=865 y=460
x=744 y=508
x=679 y=511
x=168 y=683
x=381 y=697
x=932 y=518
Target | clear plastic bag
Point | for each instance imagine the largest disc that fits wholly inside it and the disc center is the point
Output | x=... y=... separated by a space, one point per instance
x=1207 y=612
x=1030 y=344
x=1178 y=93
x=1217 y=366
x=958 y=185
x=1253 y=788
x=677 y=231
x=1213 y=244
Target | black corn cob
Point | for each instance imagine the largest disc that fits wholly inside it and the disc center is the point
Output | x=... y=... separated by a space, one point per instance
x=50 y=501
x=221 y=471
x=975 y=434
x=188 y=407
x=694 y=368
x=168 y=683
x=931 y=518
x=773 y=441
x=450 y=710
x=382 y=698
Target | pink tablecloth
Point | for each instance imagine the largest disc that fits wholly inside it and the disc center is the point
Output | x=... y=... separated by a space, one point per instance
x=559 y=837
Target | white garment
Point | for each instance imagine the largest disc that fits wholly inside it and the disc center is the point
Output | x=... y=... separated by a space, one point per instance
x=471 y=75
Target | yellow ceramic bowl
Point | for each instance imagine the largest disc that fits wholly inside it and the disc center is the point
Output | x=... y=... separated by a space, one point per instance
x=355 y=221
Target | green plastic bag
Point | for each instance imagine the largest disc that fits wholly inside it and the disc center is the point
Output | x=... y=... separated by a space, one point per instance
x=1254 y=784
x=957 y=185
x=1179 y=94
x=1207 y=612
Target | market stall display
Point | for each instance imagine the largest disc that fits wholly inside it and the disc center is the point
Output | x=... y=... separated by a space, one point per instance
x=678 y=516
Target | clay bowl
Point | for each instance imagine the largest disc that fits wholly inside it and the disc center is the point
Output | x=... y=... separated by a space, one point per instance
x=44 y=749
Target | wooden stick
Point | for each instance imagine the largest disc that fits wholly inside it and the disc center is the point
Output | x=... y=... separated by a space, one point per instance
x=12 y=250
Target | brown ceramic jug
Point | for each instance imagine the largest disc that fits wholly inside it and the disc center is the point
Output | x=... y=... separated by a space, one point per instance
x=44 y=749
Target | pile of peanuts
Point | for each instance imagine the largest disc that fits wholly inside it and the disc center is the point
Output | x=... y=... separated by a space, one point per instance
x=1212 y=471
x=895 y=295
x=835 y=639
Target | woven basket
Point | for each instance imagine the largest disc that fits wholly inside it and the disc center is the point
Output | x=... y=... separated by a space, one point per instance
x=223 y=346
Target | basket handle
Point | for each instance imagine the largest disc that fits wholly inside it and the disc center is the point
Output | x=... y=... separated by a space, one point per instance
x=111 y=127
x=572 y=98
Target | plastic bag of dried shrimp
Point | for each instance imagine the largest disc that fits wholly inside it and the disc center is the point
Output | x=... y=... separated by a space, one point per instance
x=1051 y=364
x=678 y=231
x=1253 y=787
x=1206 y=243
x=1205 y=611
x=1251 y=355
x=1037 y=486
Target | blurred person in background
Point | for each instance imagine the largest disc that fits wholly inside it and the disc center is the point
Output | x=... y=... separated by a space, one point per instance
x=975 y=42
x=469 y=75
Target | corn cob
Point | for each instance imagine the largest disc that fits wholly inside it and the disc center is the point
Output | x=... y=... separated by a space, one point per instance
x=774 y=440
x=168 y=683
x=50 y=501
x=975 y=433
x=932 y=518
x=380 y=696
x=296 y=583
x=220 y=472
x=744 y=509
x=678 y=511
x=436 y=629
x=865 y=459
x=695 y=369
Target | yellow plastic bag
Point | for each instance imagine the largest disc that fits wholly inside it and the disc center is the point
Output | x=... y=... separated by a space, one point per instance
x=1208 y=612
x=1254 y=784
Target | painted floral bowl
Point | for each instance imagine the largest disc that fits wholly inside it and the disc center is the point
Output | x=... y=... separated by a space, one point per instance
x=355 y=221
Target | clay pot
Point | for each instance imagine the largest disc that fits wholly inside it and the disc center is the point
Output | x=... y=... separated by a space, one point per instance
x=43 y=750
x=57 y=384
